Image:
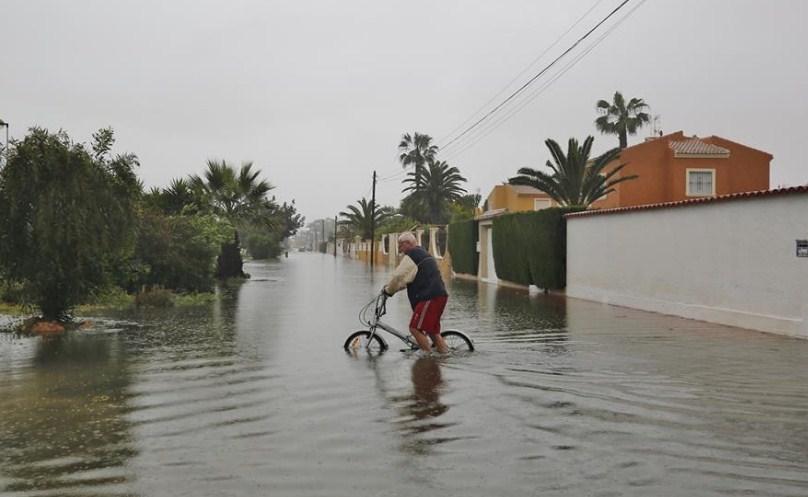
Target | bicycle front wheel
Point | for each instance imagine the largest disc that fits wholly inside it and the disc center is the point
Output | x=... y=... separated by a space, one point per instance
x=361 y=343
x=457 y=341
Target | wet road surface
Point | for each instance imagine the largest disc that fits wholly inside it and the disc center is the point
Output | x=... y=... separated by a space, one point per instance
x=253 y=395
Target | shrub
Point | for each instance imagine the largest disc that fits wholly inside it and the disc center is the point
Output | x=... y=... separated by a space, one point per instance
x=11 y=292
x=463 y=238
x=178 y=252
x=262 y=244
x=530 y=248
x=155 y=297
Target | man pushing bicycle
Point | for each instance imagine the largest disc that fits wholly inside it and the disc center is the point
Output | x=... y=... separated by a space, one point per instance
x=419 y=273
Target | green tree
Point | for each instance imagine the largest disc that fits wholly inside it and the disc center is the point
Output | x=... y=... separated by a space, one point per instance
x=179 y=197
x=359 y=218
x=464 y=208
x=178 y=252
x=240 y=197
x=575 y=180
x=621 y=118
x=66 y=217
x=431 y=190
x=416 y=150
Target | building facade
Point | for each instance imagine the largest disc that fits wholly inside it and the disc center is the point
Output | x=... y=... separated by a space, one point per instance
x=675 y=167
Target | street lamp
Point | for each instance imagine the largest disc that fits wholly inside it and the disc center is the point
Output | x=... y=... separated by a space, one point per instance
x=3 y=123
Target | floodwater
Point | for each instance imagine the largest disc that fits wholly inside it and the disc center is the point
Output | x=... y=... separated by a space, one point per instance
x=253 y=395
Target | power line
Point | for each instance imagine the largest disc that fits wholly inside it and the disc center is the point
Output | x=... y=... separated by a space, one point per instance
x=486 y=130
x=526 y=69
x=537 y=76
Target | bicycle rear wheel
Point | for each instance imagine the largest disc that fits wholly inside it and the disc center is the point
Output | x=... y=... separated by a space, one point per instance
x=360 y=343
x=457 y=341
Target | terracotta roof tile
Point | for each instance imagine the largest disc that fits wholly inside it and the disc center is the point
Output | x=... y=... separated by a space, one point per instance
x=694 y=146
x=695 y=201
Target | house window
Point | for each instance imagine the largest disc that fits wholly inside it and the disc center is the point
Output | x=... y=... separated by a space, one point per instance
x=540 y=203
x=700 y=182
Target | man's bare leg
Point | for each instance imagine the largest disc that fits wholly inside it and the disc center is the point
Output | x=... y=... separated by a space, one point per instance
x=440 y=343
x=422 y=340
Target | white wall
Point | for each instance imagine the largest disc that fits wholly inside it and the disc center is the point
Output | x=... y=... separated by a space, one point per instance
x=731 y=262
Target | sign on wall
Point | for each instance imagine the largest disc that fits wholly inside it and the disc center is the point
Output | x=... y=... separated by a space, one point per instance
x=802 y=248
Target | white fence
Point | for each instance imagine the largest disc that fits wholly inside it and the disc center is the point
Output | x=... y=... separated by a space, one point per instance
x=733 y=262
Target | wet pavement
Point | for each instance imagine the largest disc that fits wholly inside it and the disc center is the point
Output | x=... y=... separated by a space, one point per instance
x=253 y=395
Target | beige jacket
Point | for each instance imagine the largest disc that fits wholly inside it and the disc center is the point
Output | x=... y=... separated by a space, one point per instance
x=402 y=276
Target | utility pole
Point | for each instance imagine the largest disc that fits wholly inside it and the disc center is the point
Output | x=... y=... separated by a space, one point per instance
x=373 y=222
x=325 y=240
x=335 y=236
x=5 y=145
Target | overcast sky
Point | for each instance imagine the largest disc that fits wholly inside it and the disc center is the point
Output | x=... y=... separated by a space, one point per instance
x=318 y=93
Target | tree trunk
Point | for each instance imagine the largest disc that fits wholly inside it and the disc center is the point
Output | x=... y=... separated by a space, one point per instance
x=623 y=140
x=229 y=263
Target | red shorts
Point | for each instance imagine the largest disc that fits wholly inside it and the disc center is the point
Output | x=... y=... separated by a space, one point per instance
x=426 y=315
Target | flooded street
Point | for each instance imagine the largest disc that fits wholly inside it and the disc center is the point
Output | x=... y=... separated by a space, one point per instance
x=253 y=395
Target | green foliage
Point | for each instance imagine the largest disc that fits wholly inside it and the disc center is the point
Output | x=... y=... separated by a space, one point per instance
x=360 y=218
x=12 y=292
x=416 y=150
x=621 y=118
x=289 y=221
x=465 y=208
x=65 y=217
x=261 y=244
x=530 y=248
x=431 y=190
x=463 y=238
x=178 y=252
x=575 y=181
x=155 y=297
x=397 y=223
x=240 y=197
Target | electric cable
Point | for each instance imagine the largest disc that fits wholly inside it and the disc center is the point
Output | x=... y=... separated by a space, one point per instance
x=483 y=132
x=526 y=69
x=535 y=77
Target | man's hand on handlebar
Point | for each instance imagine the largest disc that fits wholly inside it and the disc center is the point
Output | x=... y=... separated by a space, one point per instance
x=385 y=294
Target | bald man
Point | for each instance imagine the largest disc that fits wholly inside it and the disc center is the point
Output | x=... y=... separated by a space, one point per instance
x=418 y=272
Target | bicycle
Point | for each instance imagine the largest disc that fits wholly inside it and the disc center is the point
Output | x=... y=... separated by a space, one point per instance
x=374 y=344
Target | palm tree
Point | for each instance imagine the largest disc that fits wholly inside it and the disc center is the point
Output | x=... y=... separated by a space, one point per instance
x=432 y=189
x=576 y=180
x=241 y=198
x=619 y=118
x=416 y=150
x=362 y=219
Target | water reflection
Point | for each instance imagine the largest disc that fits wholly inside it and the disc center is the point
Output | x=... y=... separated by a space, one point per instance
x=253 y=395
x=427 y=382
x=64 y=425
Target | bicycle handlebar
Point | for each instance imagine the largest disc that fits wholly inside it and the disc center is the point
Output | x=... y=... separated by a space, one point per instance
x=379 y=304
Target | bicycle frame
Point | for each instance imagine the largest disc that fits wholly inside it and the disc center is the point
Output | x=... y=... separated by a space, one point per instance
x=376 y=323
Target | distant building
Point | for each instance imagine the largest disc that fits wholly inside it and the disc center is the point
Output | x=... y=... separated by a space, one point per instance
x=675 y=167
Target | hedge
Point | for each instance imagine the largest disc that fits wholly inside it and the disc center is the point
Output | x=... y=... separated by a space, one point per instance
x=463 y=238
x=530 y=248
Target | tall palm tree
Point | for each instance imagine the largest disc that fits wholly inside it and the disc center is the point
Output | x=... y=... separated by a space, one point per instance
x=621 y=118
x=362 y=219
x=575 y=180
x=237 y=195
x=416 y=150
x=433 y=188
x=240 y=197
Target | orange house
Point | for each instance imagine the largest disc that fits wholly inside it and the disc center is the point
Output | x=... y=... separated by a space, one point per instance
x=516 y=198
x=675 y=167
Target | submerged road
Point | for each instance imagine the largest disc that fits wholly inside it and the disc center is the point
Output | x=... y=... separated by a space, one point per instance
x=253 y=395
